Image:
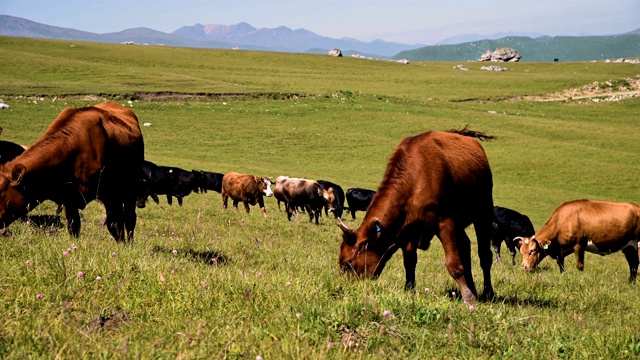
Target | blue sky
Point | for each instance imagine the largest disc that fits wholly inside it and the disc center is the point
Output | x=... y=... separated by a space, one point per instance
x=407 y=21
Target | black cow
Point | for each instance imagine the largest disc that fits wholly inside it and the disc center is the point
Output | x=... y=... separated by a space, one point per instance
x=165 y=180
x=153 y=182
x=9 y=151
x=182 y=183
x=338 y=203
x=507 y=225
x=207 y=180
x=359 y=199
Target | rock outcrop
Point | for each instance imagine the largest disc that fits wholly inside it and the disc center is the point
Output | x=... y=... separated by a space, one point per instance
x=501 y=54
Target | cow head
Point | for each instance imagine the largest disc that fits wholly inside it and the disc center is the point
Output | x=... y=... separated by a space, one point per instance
x=364 y=252
x=533 y=251
x=12 y=200
x=266 y=181
x=329 y=198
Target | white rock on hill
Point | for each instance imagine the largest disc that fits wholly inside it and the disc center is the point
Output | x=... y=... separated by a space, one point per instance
x=501 y=54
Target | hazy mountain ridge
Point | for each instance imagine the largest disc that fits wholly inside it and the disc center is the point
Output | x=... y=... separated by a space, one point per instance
x=241 y=35
x=299 y=40
x=533 y=46
x=541 y=49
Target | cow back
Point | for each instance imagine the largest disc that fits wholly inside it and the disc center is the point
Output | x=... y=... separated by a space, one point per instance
x=597 y=221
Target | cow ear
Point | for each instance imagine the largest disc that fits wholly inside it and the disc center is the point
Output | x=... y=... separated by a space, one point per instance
x=17 y=173
x=376 y=228
x=348 y=235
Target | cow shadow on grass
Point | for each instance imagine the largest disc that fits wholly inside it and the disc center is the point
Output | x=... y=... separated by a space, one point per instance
x=205 y=257
x=519 y=301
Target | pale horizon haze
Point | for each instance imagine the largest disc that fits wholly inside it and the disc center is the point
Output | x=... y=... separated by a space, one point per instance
x=404 y=21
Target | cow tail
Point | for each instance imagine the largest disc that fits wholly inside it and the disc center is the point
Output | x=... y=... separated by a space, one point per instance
x=465 y=131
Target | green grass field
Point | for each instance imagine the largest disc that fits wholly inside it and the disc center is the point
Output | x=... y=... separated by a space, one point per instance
x=274 y=289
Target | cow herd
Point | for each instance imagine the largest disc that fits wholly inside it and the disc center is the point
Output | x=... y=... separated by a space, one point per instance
x=435 y=184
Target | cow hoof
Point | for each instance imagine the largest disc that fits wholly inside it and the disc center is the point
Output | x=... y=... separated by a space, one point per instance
x=488 y=295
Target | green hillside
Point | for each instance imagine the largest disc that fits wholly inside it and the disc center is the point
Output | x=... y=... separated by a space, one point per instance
x=202 y=282
x=563 y=48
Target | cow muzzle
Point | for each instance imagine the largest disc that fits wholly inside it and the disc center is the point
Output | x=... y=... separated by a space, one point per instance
x=526 y=267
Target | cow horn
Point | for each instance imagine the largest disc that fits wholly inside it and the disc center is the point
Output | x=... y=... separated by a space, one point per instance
x=350 y=238
x=518 y=241
x=343 y=226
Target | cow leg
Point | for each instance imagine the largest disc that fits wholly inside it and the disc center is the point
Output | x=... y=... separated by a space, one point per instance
x=464 y=250
x=115 y=220
x=495 y=244
x=288 y=209
x=130 y=218
x=225 y=201
x=410 y=259
x=353 y=217
x=307 y=207
x=235 y=204
x=155 y=198
x=262 y=207
x=293 y=212
x=447 y=236
x=579 y=251
x=179 y=200
x=631 y=254
x=560 y=259
x=169 y=200
x=483 y=235
x=513 y=251
x=560 y=262
x=73 y=219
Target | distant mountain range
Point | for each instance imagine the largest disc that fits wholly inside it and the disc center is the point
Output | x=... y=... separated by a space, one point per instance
x=540 y=49
x=532 y=47
x=242 y=35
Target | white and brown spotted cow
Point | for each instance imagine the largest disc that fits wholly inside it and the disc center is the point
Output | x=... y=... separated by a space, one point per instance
x=600 y=227
x=249 y=189
x=303 y=193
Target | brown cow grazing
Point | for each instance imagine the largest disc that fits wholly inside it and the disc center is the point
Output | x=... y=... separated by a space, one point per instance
x=577 y=226
x=436 y=183
x=89 y=153
x=246 y=188
x=307 y=194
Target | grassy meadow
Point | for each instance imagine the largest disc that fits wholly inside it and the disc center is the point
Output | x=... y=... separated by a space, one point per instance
x=201 y=282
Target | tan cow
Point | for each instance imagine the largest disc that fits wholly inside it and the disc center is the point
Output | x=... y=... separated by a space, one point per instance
x=600 y=227
x=249 y=189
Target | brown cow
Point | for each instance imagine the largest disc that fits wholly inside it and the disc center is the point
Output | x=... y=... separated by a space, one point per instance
x=246 y=188
x=307 y=194
x=89 y=153
x=436 y=183
x=577 y=226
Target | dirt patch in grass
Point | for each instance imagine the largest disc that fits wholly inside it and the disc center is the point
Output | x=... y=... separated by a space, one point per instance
x=108 y=322
x=614 y=90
